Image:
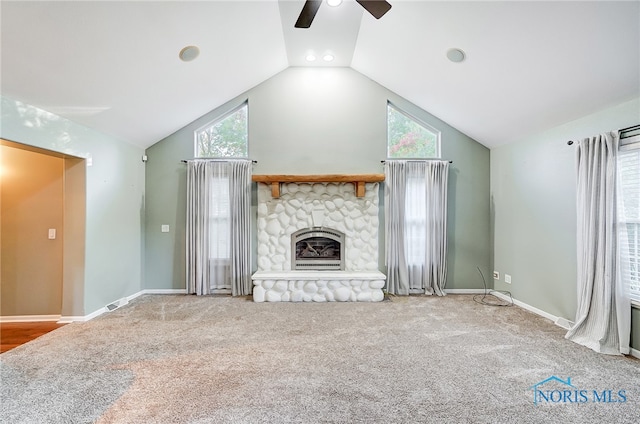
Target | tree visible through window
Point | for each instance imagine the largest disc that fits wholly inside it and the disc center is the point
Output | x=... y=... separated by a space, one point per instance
x=408 y=138
x=226 y=137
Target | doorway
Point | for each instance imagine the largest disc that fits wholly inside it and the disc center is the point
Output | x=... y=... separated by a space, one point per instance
x=42 y=204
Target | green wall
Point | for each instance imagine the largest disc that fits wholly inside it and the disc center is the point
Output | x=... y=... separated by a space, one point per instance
x=114 y=201
x=533 y=197
x=318 y=121
x=635 y=328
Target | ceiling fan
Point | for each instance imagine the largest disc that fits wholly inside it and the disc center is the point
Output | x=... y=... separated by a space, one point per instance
x=377 y=8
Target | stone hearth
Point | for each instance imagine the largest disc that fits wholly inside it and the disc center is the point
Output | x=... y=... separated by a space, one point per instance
x=318 y=286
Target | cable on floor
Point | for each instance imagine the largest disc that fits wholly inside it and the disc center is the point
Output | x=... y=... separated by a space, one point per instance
x=489 y=298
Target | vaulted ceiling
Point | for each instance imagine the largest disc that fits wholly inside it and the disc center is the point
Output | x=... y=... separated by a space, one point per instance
x=113 y=66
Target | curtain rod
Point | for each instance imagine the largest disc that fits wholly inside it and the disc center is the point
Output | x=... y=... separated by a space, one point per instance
x=213 y=160
x=628 y=129
x=415 y=160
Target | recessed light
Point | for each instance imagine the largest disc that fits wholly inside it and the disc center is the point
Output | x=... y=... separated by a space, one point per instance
x=189 y=53
x=334 y=3
x=310 y=58
x=455 y=55
x=327 y=57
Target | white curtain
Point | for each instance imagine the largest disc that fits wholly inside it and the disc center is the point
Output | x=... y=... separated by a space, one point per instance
x=240 y=247
x=217 y=228
x=603 y=315
x=394 y=205
x=197 y=226
x=416 y=226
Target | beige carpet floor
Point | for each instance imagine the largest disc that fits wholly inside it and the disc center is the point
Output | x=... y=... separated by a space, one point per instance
x=188 y=359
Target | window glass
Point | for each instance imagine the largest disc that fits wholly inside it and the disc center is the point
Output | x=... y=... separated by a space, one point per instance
x=629 y=218
x=415 y=220
x=219 y=219
x=407 y=138
x=225 y=138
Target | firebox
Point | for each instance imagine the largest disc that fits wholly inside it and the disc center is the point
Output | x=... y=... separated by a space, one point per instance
x=317 y=248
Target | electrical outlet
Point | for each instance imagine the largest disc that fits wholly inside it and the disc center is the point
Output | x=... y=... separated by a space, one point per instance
x=507 y=278
x=496 y=275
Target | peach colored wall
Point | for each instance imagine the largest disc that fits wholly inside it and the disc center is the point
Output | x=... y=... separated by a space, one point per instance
x=32 y=194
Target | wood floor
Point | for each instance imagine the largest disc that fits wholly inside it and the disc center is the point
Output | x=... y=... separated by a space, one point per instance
x=13 y=334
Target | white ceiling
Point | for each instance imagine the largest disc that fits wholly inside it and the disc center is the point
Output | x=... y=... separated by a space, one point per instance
x=113 y=66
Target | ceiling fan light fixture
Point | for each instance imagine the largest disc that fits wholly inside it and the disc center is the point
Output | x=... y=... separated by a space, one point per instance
x=189 y=53
x=328 y=57
x=377 y=8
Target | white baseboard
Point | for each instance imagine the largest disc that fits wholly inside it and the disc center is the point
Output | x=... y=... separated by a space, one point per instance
x=164 y=291
x=450 y=291
x=564 y=323
x=133 y=296
x=71 y=318
x=464 y=291
x=30 y=318
x=82 y=318
x=556 y=320
x=559 y=321
x=119 y=302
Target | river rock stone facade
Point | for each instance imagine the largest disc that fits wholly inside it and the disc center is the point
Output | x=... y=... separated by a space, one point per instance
x=305 y=205
x=328 y=205
x=318 y=286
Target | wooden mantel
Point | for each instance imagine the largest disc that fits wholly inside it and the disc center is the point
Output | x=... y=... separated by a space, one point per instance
x=358 y=180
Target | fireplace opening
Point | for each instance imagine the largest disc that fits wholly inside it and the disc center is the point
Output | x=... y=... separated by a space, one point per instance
x=317 y=248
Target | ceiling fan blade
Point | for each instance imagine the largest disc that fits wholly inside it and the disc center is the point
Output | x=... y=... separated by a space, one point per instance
x=376 y=7
x=307 y=14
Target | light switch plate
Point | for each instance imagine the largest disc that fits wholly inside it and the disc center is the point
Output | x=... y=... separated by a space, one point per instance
x=52 y=233
x=165 y=228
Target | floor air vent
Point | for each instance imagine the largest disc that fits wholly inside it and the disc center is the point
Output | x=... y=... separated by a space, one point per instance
x=564 y=323
x=115 y=305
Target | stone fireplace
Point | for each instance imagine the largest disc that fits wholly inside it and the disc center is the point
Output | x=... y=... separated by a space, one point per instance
x=318 y=241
